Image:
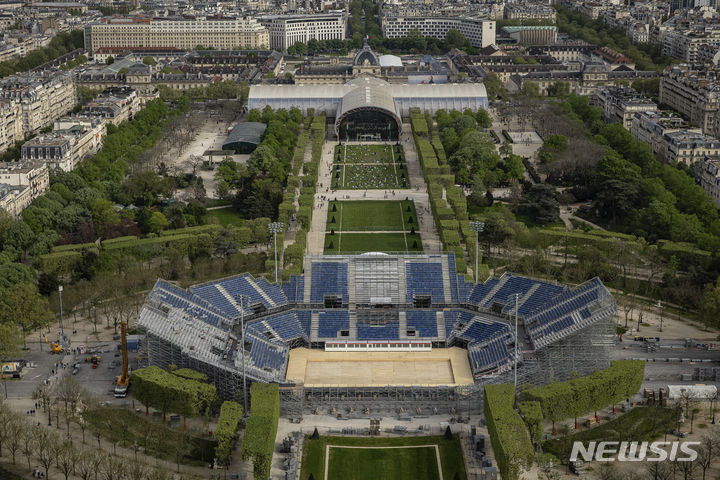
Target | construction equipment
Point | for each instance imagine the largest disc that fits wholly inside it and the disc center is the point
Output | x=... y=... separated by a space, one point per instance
x=123 y=381
x=54 y=347
x=94 y=359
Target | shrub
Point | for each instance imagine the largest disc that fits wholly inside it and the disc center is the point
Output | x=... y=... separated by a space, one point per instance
x=509 y=438
x=261 y=428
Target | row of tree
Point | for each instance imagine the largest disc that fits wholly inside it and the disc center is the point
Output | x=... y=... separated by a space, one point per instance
x=61 y=44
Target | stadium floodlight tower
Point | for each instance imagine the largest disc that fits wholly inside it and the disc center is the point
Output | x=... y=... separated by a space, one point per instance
x=242 y=301
x=477 y=227
x=276 y=227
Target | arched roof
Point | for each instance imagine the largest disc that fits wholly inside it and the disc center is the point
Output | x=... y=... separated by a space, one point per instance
x=369 y=94
x=366 y=53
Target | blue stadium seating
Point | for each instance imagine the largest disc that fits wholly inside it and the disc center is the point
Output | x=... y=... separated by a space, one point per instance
x=513 y=285
x=454 y=294
x=329 y=278
x=239 y=285
x=272 y=291
x=424 y=322
x=481 y=290
x=479 y=331
x=540 y=297
x=331 y=322
x=489 y=356
x=366 y=331
x=425 y=279
x=265 y=354
x=451 y=318
x=464 y=288
x=191 y=304
x=294 y=289
x=304 y=317
x=286 y=325
x=211 y=294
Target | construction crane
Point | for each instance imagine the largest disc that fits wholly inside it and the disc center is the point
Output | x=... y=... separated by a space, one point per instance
x=123 y=381
x=54 y=347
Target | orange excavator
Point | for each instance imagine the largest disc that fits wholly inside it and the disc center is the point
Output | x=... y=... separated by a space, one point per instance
x=123 y=381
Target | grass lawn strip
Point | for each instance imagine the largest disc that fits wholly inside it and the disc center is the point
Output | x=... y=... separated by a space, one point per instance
x=402 y=216
x=451 y=457
x=415 y=468
x=369 y=215
x=373 y=242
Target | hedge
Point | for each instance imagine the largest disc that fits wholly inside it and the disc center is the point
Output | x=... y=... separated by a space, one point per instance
x=194 y=230
x=508 y=435
x=73 y=247
x=163 y=391
x=418 y=123
x=230 y=414
x=190 y=374
x=531 y=413
x=261 y=428
x=576 y=397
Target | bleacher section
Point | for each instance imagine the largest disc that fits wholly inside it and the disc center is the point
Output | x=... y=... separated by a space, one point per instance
x=192 y=305
x=365 y=331
x=286 y=325
x=265 y=354
x=273 y=291
x=241 y=285
x=424 y=279
x=489 y=356
x=477 y=331
x=481 y=290
x=464 y=288
x=568 y=311
x=424 y=322
x=329 y=278
x=294 y=289
x=331 y=322
x=304 y=317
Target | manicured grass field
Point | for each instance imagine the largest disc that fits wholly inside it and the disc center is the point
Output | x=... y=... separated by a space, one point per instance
x=381 y=464
x=380 y=215
x=226 y=216
x=640 y=424
x=373 y=242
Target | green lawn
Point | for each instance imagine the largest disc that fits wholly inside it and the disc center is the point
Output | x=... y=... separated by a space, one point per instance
x=373 y=242
x=368 y=154
x=366 y=216
x=639 y=424
x=226 y=216
x=381 y=464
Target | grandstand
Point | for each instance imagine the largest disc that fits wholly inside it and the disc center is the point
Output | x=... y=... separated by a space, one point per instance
x=380 y=301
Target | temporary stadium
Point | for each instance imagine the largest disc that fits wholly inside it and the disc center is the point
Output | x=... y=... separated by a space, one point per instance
x=378 y=332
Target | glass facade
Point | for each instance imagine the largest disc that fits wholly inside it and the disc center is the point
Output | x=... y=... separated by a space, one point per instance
x=368 y=125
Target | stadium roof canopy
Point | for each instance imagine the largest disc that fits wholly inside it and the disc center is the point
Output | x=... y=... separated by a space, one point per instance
x=245 y=137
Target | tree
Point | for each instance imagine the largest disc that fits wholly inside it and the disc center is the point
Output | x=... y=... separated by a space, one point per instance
x=28 y=445
x=149 y=60
x=88 y=465
x=709 y=312
x=46 y=442
x=540 y=203
x=16 y=428
x=494 y=86
x=110 y=60
x=23 y=306
x=455 y=39
x=157 y=222
x=67 y=457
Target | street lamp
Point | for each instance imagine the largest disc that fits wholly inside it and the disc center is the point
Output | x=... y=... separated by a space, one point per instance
x=62 y=332
x=477 y=227
x=241 y=300
x=275 y=228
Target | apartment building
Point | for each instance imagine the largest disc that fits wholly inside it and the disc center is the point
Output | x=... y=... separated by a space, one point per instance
x=480 y=31
x=181 y=33
x=43 y=97
x=650 y=128
x=620 y=104
x=688 y=147
x=115 y=105
x=13 y=199
x=516 y=11
x=64 y=148
x=687 y=46
x=11 y=123
x=707 y=173
x=288 y=30
x=26 y=174
x=692 y=90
